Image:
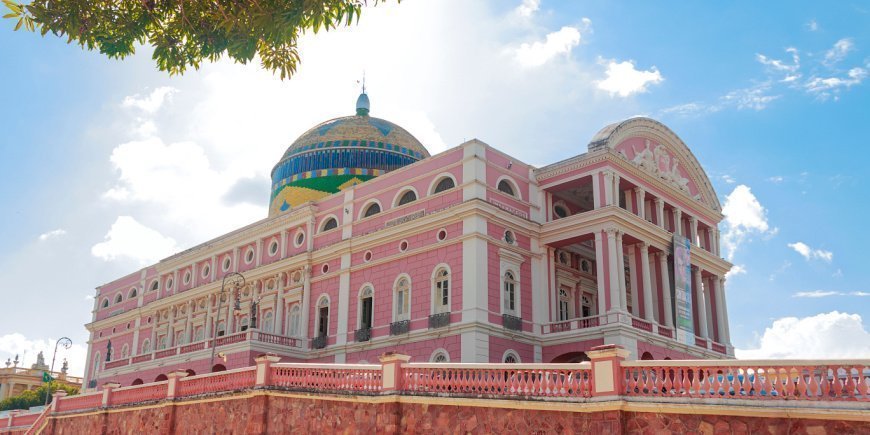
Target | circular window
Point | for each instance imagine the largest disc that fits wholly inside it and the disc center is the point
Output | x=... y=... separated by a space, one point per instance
x=187 y=277
x=169 y=284
x=149 y=319
x=325 y=268
x=403 y=246
x=442 y=234
x=205 y=271
x=273 y=247
x=563 y=258
x=249 y=256
x=560 y=212
x=300 y=238
x=367 y=256
x=509 y=237
x=227 y=263
x=113 y=330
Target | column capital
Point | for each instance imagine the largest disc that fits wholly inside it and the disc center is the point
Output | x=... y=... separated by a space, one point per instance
x=658 y=201
x=693 y=219
x=644 y=246
x=639 y=190
x=611 y=232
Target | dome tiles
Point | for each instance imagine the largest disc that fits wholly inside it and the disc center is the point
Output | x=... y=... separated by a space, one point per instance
x=340 y=153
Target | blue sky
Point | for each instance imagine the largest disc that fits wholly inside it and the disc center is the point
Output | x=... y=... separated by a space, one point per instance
x=108 y=165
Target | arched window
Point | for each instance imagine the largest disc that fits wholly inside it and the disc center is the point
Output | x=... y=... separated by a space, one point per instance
x=161 y=342
x=511 y=357
x=97 y=360
x=221 y=328
x=329 y=224
x=125 y=351
x=402 y=301
x=244 y=324
x=323 y=316
x=440 y=356
x=446 y=183
x=155 y=285
x=442 y=291
x=198 y=333
x=268 y=321
x=133 y=294
x=510 y=296
x=506 y=187
x=564 y=304
x=138 y=381
x=407 y=197
x=119 y=298
x=146 y=346
x=560 y=211
x=295 y=314
x=179 y=338
x=372 y=210
x=105 y=303
x=366 y=307
x=586 y=302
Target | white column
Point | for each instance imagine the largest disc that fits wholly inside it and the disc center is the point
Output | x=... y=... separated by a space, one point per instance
x=188 y=327
x=608 y=188
x=213 y=267
x=640 y=195
x=647 y=283
x=259 y=254
x=660 y=212
x=306 y=303
x=136 y=348
x=714 y=238
x=613 y=271
x=596 y=191
x=678 y=222
x=693 y=227
x=629 y=201
x=708 y=290
x=616 y=189
x=702 y=304
x=170 y=330
x=666 y=289
x=278 y=318
x=632 y=273
x=283 y=243
x=620 y=265
x=154 y=318
x=208 y=313
x=723 y=310
x=599 y=271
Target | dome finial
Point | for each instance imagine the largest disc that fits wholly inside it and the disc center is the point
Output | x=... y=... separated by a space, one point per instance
x=362 y=103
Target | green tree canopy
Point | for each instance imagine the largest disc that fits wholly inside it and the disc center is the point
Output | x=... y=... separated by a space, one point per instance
x=186 y=32
x=36 y=397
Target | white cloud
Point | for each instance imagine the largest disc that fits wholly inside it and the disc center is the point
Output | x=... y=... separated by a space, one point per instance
x=744 y=216
x=52 y=234
x=152 y=102
x=560 y=42
x=755 y=97
x=26 y=349
x=776 y=179
x=810 y=253
x=824 y=87
x=779 y=65
x=527 y=8
x=826 y=293
x=129 y=239
x=737 y=269
x=624 y=79
x=728 y=179
x=812 y=25
x=839 y=51
x=825 y=335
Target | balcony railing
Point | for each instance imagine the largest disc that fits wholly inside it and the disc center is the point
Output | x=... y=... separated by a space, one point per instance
x=439 y=320
x=718 y=347
x=666 y=332
x=318 y=342
x=641 y=324
x=400 y=327
x=572 y=324
x=364 y=334
x=513 y=323
x=117 y=363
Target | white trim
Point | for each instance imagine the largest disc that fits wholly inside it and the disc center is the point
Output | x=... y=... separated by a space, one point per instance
x=115 y=299
x=250 y=253
x=290 y=323
x=366 y=206
x=273 y=242
x=226 y=263
x=515 y=354
x=513 y=233
x=402 y=192
x=359 y=298
x=296 y=237
x=438 y=179
x=432 y=280
x=440 y=351
x=564 y=205
x=151 y=287
x=437 y=233
x=187 y=277
x=516 y=187
x=407 y=245
x=130 y=294
x=206 y=271
x=317 y=308
x=407 y=315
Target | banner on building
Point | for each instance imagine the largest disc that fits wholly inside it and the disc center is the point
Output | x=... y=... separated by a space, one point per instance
x=683 y=290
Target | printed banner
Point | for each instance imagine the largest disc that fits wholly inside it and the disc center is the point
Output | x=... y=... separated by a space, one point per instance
x=683 y=290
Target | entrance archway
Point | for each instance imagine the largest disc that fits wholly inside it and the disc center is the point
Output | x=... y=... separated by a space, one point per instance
x=646 y=356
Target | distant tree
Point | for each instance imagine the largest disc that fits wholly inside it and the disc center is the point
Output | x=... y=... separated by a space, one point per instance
x=186 y=32
x=28 y=398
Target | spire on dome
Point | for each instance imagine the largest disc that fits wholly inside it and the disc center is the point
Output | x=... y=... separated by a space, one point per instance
x=362 y=103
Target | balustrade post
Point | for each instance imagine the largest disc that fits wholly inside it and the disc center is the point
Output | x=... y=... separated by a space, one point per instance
x=264 y=368
x=173 y=382
x=391 y=368
x=607 y=369
x=56 y=397
x=107 y=392
x=12 y=415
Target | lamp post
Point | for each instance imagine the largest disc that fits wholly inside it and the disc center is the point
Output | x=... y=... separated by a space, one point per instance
x=66 y=343
x=236 y=280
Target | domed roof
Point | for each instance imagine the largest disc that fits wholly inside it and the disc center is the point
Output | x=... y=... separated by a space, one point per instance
x=340 y=153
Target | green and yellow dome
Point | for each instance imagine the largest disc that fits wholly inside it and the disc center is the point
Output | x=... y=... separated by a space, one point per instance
x=340 y=153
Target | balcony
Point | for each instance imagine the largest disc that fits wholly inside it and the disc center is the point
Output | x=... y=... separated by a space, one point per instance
x=364 y=334
x=400 y=327
x=318 y=342
x=439 y=320
x=513 y=323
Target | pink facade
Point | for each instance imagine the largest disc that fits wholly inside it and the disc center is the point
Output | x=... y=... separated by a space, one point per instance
x=510 y=263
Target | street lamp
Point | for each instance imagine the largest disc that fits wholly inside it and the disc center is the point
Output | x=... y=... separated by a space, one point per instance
x=66 y=343
x=236 y=281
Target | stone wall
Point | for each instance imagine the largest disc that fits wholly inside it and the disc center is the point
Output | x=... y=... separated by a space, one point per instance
x=272 y=412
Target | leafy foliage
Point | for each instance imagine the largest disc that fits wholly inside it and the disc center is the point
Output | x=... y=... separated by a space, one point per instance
x=186 y=32
x=36 y=397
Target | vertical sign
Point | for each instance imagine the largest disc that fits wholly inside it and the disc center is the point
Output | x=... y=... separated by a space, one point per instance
x=683 y=290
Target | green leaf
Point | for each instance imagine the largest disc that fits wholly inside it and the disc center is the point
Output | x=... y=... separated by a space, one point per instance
x=18 y=26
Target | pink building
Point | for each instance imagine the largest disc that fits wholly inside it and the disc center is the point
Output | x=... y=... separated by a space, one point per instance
x=372 y=245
